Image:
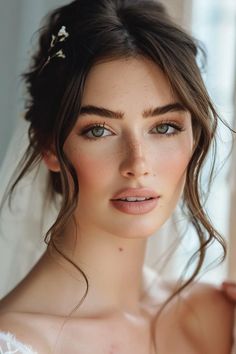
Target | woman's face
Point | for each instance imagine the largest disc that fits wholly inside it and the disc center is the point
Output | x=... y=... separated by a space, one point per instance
x=146 y=144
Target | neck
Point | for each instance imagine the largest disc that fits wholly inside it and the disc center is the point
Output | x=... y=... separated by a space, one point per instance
x=113 y=266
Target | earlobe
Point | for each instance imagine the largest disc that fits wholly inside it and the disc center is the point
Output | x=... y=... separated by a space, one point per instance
x=51 y=161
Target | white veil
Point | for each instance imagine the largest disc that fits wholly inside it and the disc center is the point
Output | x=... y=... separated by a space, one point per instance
x=22 y=228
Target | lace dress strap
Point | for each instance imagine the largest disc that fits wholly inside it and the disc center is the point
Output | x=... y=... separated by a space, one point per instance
x=10 y=345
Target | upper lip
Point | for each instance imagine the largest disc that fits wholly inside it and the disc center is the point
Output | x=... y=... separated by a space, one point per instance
x=135 y=192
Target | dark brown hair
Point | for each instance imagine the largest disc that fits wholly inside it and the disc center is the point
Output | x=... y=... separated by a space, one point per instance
x=112 y=29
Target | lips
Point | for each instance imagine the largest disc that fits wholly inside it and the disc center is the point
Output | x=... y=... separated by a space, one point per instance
x=135 y=193
x=135 y=201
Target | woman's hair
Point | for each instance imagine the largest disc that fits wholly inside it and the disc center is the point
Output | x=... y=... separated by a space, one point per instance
x=106 y=30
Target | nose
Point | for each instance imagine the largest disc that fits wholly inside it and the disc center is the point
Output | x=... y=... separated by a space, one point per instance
x=136 y=161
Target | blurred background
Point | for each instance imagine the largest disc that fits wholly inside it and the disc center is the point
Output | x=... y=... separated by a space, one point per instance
x=211 y=21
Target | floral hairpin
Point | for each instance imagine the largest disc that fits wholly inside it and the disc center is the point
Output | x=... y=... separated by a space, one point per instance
x=60 y=37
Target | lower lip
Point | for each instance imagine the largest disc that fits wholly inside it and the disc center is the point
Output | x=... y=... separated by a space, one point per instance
x=135 y=208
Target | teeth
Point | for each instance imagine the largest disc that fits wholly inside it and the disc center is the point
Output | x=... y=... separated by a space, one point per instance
x=134 y=199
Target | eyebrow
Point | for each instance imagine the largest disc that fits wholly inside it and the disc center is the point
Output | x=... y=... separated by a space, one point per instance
x=151 y=112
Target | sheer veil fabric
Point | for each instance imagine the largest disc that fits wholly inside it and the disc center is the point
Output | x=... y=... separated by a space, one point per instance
x=22 y=228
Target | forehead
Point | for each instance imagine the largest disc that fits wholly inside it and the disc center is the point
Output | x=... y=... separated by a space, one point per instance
x=127 y=79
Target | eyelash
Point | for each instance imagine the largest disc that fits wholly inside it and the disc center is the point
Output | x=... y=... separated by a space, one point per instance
x=90 y=127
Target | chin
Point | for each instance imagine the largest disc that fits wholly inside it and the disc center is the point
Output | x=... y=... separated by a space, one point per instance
x=138 y=229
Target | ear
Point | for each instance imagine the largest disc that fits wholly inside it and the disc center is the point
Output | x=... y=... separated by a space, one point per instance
x=51 y=161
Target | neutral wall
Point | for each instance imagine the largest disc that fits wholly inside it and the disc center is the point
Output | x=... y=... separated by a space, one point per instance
x=181 y=11
x=9 y=60
x=19 y=19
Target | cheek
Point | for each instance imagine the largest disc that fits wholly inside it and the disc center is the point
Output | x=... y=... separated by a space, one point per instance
x=176 y=166
x=172 y=168
x=91 y=170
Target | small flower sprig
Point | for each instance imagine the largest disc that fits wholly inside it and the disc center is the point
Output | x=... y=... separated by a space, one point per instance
x=60 y=37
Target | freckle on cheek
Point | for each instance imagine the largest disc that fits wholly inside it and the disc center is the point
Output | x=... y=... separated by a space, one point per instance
x=120 y=249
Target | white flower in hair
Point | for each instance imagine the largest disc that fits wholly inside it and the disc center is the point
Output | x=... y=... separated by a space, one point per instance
x=53 y=41
x=59 y=54
x=63 y=34
x=60 y=37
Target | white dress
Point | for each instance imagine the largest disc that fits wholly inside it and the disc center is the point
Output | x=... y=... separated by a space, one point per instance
x=10 y=345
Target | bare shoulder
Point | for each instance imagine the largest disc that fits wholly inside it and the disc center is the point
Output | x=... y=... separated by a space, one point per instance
x=24 y=330
x=208 y=316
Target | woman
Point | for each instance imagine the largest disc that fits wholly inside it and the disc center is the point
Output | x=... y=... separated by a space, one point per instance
x=120 y=116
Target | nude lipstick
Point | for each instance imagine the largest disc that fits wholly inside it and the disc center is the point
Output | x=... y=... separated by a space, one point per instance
x=135 y=201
